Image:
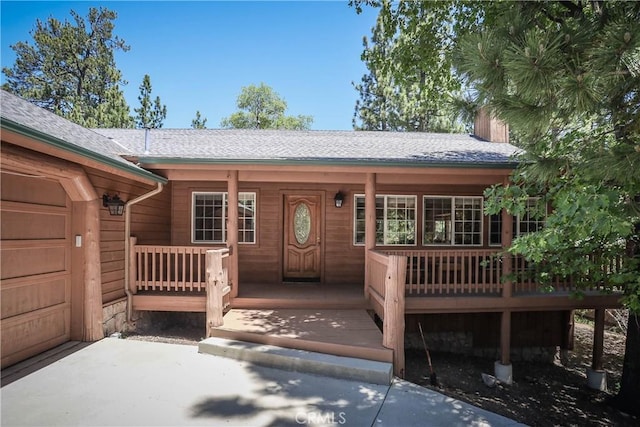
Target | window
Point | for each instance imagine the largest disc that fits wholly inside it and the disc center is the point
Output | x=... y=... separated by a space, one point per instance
x=395 y=220
x=522 y=224
x=210 y=217
x=452 y=220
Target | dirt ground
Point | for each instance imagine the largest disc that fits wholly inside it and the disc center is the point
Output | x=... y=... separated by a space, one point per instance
x=541 y=394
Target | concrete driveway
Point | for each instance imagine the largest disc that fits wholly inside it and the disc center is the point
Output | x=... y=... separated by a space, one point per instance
x=118 y=382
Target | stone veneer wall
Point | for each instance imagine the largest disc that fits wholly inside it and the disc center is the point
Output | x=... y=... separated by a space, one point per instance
x=114 y=315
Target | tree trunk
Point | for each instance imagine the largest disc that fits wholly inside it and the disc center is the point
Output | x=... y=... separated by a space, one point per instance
x=628 y=398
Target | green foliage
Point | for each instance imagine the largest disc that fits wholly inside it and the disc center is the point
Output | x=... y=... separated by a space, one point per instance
x=70 y=70
x=410 y=85
x=150 y=115
x=260 y=107
x=566 y=78
x=198 y=122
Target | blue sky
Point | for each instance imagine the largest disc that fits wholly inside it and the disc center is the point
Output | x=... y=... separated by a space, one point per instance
x=200 y=54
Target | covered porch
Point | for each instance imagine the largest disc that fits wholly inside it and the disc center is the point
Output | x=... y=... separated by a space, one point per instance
x=337 y=318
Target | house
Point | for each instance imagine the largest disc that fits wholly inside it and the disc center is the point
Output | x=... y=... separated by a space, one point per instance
x=387 y=222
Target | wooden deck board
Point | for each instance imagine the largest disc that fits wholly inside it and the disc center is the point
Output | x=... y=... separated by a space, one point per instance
x=350 y=333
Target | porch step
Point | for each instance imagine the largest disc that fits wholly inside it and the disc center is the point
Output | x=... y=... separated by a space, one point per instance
x=347 y=333
x=296 y=360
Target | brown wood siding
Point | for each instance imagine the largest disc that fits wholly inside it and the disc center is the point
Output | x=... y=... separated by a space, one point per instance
x=531 y=329
x=35 y=266
x=150 y=222
x=343 y=262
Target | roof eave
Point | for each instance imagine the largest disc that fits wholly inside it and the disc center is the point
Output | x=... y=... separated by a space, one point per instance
x=60 y=144
x=326 y=162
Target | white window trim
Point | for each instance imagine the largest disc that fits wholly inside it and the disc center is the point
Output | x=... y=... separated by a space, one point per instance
x=516 y=229
x=225 y=196
x=384 y=220
x=453 y=210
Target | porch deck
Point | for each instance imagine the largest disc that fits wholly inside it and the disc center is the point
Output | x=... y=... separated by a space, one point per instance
x=350 y=333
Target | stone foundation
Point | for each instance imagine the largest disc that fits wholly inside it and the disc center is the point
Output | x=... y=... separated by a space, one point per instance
x=114 y=317
x=462 y=343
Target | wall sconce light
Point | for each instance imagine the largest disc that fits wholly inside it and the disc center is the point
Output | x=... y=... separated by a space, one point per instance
x=114 y=203
x=338 y=199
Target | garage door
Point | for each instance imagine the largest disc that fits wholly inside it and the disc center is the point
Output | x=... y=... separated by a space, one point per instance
x=35 y=266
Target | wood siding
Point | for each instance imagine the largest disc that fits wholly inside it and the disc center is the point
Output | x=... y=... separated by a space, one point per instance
x=150 y=223
x=35 y=266
x=343 y=262
x=534 y=329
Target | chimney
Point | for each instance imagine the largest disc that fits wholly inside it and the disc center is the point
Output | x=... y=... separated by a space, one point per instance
x=489 y=128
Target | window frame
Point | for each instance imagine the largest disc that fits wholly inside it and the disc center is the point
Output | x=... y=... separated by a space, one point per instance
x=452 y=231
x=384 y=220
x=242 y=231
x=517 y=220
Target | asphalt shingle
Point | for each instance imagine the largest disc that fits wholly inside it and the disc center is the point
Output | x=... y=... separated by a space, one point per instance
x=30 y=116
x=323 y=146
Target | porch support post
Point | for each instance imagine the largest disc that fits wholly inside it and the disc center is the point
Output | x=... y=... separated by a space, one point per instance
x=393 y=324
x=370 y=226
x=507 y=239
x=596 y=376
x=232 y=230
x=93 y=330
x=502 y=367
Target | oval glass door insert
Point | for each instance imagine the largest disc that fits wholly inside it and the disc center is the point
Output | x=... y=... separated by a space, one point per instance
x=302 y=223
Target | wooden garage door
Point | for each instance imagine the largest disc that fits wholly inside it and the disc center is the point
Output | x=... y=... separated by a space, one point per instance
x=35 y=266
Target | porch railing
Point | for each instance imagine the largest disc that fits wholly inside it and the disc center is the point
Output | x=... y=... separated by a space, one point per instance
x=476 y=272
x=218 y=287
x=385 y=287
x=445 y=272
x=169 y=268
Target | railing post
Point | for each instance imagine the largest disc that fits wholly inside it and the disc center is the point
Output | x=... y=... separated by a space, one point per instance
x=393 y=325
x=133 y=264
x=369 y=227
x=216 y=282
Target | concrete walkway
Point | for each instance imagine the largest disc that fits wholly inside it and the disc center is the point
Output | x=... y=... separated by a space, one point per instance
x=134 y=383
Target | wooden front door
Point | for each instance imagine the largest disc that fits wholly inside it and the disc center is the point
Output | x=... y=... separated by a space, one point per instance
x=302 y=237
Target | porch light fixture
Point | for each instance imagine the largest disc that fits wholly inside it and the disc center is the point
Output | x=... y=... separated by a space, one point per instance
x=338 y=199
x=114 y=203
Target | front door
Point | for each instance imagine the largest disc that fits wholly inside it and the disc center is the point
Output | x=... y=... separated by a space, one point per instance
x=302 y=232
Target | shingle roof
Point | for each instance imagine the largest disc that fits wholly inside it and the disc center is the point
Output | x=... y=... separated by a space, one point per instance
x=53 y=129
x=259 y=146
x=233 y=145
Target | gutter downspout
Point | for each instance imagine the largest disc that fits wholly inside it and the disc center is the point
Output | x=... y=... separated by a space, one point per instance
x=127 y=248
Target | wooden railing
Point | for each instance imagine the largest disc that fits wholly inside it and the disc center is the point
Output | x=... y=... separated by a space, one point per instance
x=477 y=272
x=386 y=276
x=169 y=268
x=525 y=273
x=218 y=287
x=450 y=272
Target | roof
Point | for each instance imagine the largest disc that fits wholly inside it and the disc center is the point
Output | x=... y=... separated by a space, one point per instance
x=312 y=147
x=28 y=119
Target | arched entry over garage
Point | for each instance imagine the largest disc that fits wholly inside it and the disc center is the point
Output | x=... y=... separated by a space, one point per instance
x=51 y=290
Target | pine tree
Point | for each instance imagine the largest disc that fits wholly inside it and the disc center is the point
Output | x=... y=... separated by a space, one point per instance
x=150 y=114
x=70 y=70
x=198 y=122
x=566 y=77
x=410 y=85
